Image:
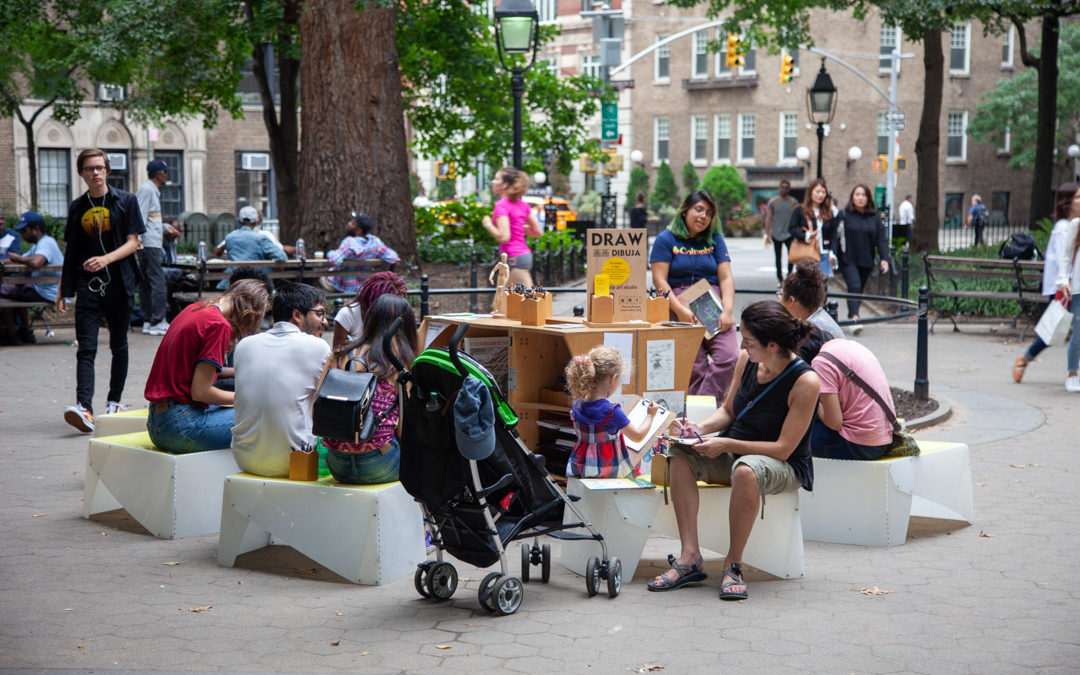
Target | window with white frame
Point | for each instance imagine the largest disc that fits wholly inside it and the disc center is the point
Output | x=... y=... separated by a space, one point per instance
x=888 y=41
x=54 y=180
x=661 y=137
x=749 y=66
x=789 y=135
x=720 y=67
x=722 y=139
x=547 y=9
x=746 y=138
x=1006 y=142
x=1007 y=49
x=662 y=61
x=590 y=65
x=699 y=139
x=882 y=133
x=956 y=136
x=959 y=49
x=700 y=57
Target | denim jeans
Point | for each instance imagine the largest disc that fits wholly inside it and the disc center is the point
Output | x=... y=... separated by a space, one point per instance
x=186 y=428
x=829 y=444
x=152 y=297
x=90 y=307
x=365 y=468
x=1072 y=357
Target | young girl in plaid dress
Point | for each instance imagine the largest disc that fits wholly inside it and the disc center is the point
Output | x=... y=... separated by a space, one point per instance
x=600 y=451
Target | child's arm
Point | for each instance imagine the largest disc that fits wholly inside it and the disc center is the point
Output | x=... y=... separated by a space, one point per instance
x=640 y=431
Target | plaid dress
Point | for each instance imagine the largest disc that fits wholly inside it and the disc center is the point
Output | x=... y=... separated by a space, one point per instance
x=599 y=454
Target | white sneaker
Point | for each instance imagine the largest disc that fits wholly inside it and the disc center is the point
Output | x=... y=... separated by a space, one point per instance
x=158 y=329
x=857 y=329
x=79 y=417
x=115 y=407
x=146 y=327
x=1072 y=384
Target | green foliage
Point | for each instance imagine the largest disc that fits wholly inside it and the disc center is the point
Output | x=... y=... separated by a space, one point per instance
x=665 y=192
x=690 y=179
x=444 y=190
x=639 y=182
x=553 y=240
x=726 y=186
x=1012 y=103
x=449 y=233
x=459 y=100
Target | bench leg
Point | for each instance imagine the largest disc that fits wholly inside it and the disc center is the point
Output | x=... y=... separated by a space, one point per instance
x=238 y=533
x=96 y=497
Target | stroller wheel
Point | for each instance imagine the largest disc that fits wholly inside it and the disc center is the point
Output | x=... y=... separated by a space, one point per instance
x=419 y=577
x=614 y=577
x=486 y=591
x=507 y=595
x=442 y=581
x=545 y=563
x=592 y=576
x=525 y=563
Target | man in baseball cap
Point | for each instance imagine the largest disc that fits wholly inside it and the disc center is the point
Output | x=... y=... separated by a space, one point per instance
x=153 y=298
x=45 y=251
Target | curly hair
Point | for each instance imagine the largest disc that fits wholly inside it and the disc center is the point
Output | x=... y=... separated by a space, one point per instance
x=767 y=321
x=585 y=372
x=515 y=181
x=805 y=285
x=374 y=286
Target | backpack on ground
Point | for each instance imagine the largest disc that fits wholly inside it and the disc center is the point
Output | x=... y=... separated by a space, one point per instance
x=1020 y=246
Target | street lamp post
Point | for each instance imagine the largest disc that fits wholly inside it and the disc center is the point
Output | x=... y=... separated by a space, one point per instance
x=821 y=102
x=1073 y=151
x=517 y=31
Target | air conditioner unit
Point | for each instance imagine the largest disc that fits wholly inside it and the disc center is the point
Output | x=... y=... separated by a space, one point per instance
x=110 y=92
x=117 y=161
x=255 y=161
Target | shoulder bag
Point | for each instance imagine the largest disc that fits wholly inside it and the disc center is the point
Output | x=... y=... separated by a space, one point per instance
x=801 y=249
x=903 y=444
x=342 y=409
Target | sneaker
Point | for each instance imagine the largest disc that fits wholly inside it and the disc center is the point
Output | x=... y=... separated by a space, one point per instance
x=857 y=329
x=115 y=407
x=146 y=326
x=157 y=329
x=1072 y=384
x=80 y=418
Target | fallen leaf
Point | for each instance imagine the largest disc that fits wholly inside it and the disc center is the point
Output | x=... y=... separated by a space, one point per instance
x=335 y=643
x=305 y=571
x=364 y=653
x=650 y=668
x=1018 y=466
x=171 y=563
x=442 y=646
x=38 y=515
x=104 y=534
x=239 y=583
x=201 y=608
x=338 y=614
x=69 y=609
x=82 y=646
x=874 y=591
x=980 y=484
x=1042 y=584
x=984 y=533
x=1036 y=464
x=474 y=625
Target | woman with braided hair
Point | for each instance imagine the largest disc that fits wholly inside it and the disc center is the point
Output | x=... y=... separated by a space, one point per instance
x=349 y=321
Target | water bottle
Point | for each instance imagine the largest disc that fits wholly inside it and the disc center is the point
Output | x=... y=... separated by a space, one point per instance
x=202 y=251
x=300 y=249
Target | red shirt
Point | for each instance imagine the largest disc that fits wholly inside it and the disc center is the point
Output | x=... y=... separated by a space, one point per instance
x=198 y=333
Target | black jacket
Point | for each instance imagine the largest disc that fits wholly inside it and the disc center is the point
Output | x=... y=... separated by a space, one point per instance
x=124 y=218
x=799 y=225
x=862 y=234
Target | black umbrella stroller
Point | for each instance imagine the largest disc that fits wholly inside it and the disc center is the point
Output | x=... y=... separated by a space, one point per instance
x=474 y=508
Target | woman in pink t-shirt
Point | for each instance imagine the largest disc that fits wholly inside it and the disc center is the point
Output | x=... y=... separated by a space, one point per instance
x=511 y=220
x=850 y=424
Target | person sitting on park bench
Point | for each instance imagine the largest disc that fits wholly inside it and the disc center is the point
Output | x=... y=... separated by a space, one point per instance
x=803 y=292
x=45 y=251
x=277 y=376
x=349 y=320
x=763 y=447
x=246 y=243
x=358 y=244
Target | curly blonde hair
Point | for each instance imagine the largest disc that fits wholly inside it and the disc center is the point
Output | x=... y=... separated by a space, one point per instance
x=585 y=372
x=515 y=181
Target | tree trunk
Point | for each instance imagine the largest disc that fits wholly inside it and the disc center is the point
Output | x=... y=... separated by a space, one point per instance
x=31 y=156
x=1042 y=188
x=352 y=155
x=928 y=145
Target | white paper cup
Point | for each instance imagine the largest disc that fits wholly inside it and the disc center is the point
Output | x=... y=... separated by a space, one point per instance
x=319 y=255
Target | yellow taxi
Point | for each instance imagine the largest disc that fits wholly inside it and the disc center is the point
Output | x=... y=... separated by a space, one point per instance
x=563 y=211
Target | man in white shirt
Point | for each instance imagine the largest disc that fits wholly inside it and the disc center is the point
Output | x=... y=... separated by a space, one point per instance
x=906 y=216
x=277 y=376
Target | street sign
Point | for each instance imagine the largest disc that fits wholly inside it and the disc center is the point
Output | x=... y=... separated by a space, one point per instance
x=609 y=122
x=896 y=119
x=619 y=85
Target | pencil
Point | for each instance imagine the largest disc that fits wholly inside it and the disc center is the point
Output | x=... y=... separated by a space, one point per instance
x=682 y=429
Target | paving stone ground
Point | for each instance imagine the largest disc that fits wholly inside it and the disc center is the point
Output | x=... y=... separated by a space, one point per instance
x=997 y=596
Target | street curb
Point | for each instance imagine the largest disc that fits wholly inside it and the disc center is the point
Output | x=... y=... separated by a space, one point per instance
x=943 y=412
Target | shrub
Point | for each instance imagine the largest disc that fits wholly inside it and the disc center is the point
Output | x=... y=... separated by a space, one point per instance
x=665 y=192
x=726 y=187
x=689 y=177
x=639 y=182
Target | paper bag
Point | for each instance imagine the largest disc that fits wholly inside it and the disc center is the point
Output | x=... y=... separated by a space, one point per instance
x=1053 y=327
x=303 y=465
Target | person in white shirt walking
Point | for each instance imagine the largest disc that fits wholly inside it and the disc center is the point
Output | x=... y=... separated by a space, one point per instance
x=152 y=297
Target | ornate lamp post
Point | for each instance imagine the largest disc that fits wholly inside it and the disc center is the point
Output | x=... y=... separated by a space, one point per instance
x=821 y=102
x=517 y=31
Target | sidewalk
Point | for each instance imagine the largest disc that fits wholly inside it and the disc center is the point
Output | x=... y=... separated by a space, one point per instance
x=996 y=596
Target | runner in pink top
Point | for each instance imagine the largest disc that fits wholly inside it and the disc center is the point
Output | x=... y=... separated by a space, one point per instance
x=511 y=221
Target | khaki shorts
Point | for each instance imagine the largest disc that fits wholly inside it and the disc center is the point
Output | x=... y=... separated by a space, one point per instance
x=774 y=476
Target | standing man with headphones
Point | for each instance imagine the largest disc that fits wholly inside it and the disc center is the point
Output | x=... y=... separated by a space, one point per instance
x=103 y=228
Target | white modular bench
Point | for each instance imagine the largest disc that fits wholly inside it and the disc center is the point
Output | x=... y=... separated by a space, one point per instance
x=870 y=503
x=126 y=422
x=172 y=496
x=368 y=534
x=626 y=518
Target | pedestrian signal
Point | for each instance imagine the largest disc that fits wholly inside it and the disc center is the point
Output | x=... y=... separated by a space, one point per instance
x=901 y=164
x=787 y=65
x=881 y=163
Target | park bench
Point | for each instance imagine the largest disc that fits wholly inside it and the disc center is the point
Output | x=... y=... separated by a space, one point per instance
x=172 y=496
x=871 y=502
x=209 y=273
x=125 y=422
x=368 y=534
x=1017 y=281
x=18 y=273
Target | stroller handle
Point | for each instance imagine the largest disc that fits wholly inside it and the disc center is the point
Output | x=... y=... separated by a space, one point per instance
x=452 y=348
x=387 y=337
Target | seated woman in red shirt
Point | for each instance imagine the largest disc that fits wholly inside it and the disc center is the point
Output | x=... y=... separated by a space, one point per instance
x=186 y=409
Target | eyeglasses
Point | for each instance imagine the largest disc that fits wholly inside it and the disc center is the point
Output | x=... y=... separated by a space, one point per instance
x=99 y=168
x=321 y=313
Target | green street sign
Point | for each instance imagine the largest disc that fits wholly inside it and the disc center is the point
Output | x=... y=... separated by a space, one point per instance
x=609 y=122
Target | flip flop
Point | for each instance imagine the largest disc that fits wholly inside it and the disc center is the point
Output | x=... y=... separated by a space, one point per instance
x=688 y=574
x=735 y=574
x=1018 y=368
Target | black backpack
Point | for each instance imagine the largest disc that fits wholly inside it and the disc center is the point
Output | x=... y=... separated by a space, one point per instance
x=982 y=216
x=1020 y=246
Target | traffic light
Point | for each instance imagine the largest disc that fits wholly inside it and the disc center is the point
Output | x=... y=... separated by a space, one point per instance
x=445 y=170
x=901 y=164
x=733 y=57
x=787 y=65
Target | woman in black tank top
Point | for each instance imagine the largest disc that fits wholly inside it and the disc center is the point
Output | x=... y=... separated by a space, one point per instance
x=763 y=446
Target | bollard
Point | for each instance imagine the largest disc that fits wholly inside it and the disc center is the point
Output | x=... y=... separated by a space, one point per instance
x=473 y=304
x=833 y=309
x=573 y=261
x=922 y=383
x=423 y=295
x=904 y=273
x=559 y=277
x=547 y=268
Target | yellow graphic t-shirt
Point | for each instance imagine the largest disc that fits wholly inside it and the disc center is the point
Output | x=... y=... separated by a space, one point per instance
x=96 y=220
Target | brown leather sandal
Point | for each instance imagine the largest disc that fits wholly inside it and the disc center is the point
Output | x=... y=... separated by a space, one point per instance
x=1018 y=367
